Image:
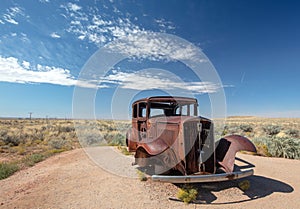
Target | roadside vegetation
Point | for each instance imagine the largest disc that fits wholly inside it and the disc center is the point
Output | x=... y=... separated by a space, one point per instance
x=187 y=194
x=272 y=137
x=25 y=142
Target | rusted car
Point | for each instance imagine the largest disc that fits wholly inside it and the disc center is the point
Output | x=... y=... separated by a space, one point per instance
x=178 y=146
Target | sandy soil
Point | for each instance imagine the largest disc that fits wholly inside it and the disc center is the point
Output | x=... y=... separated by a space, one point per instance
x=73 y=180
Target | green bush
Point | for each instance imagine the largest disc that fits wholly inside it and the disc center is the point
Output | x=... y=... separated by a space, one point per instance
x=57 y=143
x=261 y=145
x=292 y=132
x=272 y=130
x=33 y=159
x=7 y=169
x=284 y=147
x=90 y=138
x=187 y=194
x=278 y=147
x=12 y=140
x=124 y=150
x=142 y=176
x=62 y=129
x=115 y=139
x=246 y=128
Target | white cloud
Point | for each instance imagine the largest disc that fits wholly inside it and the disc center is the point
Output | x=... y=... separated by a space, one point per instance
x=165 y=25
x=54 y=35
x=154 y=46
x=74 y=7
x=8 y=18
x=11 y=15
x=148 y=81
x=26 y=65
x=12 y=71
x=15 y=71
x=133 y=40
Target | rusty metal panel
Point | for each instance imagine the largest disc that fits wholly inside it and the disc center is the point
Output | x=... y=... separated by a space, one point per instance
x=228 y=147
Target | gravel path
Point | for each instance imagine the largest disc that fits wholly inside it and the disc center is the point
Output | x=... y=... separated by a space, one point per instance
x=73 y=180
x=113 y=161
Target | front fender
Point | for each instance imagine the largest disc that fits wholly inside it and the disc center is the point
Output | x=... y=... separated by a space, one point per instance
x=228 y=147
x=155 y=147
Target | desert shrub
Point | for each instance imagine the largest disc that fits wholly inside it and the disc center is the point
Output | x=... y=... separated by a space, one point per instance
x=284 y=147
x=261 y=145
x=12 y=140
x=278 y=147
x=62 y=129
x=7 y=169
x=38 y=135
x=116 y=139
x=292 y=132
x=225 y=130
x=142 y=176
x=33 y=159
x=21 y=150
x=244 y=185
x=124 y=150
x=246 y=128
x=89 y=138
x=57 y=143
x=234 y=129
x=187 y=194
x=3 y=133
x=272 y=130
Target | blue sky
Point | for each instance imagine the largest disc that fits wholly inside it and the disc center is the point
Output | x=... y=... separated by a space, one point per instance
x=253 y=45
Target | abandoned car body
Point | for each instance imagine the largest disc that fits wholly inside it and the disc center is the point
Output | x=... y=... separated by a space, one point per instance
x=169 y=138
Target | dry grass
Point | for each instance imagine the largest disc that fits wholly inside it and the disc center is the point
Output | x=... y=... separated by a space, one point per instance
x=277 y=137
x=26 y=142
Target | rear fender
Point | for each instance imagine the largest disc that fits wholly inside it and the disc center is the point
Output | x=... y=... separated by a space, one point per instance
x=227 y=149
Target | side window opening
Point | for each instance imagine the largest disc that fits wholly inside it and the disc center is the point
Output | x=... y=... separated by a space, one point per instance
x=134 y=111
x=142 y=110
x=184 y=110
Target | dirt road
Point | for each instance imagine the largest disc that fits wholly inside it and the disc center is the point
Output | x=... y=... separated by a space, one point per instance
x=73 y=180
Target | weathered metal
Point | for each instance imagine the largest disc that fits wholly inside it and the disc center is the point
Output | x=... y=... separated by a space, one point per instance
x=203 y=178
x=168 y=136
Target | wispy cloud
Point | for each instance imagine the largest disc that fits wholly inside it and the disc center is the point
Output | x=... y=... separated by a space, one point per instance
x=162 y=81
x=95 y=28
x=16 y=71
x=154 y=46
x=54 y=35
x=8 y=18
x=11 y=15
x=133 y=40
x=44 y=1
x=74 y=7
x=165 y=25
x=11 y=70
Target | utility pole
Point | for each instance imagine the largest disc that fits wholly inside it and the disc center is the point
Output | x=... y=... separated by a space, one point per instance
x=30 y=113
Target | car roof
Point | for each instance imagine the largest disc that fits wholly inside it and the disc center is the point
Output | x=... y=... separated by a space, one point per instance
x=168 y=99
